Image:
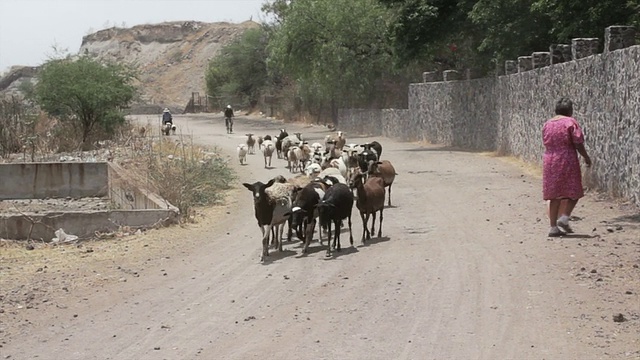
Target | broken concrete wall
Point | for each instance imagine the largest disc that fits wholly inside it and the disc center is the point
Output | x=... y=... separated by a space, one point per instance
x=53 y=180
x=83 y=224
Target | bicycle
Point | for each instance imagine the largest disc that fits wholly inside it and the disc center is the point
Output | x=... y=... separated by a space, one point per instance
x=228 y=122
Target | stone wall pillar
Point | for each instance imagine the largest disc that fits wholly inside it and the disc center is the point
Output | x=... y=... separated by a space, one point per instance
x=583 y=47
x=470 y=74
x=540 y=59
x=510 y=67
x=619 y=37
x=429 y=76
x=525 y=63
x=560 y=53
x=450 y=75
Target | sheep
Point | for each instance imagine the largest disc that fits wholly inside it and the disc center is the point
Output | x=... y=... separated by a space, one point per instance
x=335 y=206
x=316 y=158
x=272 y=203
x=260 y=141
x=337 y=163
x=312 y=170
x=282 y=195
x=293 y=158
x=317 y=147
x=242 y=153
x=333 y=172
x=306 y=155
x=385 y=170
x=267 y=150
x=370 y=199
x=288 y=142
x=251 y=143
x=350 y=158
x=329 y=141
x=340 y=140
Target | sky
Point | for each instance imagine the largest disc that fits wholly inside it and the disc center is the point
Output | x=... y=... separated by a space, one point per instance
x=30 y=30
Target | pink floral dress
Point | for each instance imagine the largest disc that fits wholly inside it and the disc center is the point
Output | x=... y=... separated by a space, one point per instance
x=561 y=176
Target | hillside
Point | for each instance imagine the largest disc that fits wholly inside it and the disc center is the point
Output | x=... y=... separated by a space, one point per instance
x=171 y=57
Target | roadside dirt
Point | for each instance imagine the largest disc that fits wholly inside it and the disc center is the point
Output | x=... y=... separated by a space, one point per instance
x=464 y=271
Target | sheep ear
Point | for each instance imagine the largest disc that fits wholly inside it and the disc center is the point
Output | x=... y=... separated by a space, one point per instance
x=379 y=162
x=248 y=186
x=270 y=183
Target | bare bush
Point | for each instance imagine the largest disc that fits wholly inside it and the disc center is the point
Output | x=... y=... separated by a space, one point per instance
x=185 y=174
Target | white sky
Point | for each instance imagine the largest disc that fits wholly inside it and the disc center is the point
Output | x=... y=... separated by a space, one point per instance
x=29 y=29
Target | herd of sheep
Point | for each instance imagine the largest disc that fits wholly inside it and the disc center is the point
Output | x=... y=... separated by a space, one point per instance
x=332 y=177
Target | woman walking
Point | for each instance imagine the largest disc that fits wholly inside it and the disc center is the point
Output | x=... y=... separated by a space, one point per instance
x=561 y=177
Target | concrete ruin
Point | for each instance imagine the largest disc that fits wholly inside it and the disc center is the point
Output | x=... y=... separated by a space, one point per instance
x=128 y=205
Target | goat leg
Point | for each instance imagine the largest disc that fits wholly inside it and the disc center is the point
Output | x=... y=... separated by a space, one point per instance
x=350 y=234
x=365 y=219
x=380 y=228
x=265 y=243
x=373 y=225
x=336 y=240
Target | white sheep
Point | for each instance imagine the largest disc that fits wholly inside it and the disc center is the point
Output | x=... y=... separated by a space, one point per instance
x=280 y=194
x=243 y=149
x=294 y=155
x=312 y=170
x=267 y=147
x=340 y=140
x=331 y=171
x=317 y=147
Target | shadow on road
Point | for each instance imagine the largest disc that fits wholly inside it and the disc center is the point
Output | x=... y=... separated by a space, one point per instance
x=578 y=236
x=375 y=240
x=275 y=255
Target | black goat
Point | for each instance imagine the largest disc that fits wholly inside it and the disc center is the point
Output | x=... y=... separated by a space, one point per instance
x=304 y=210
x=283 y=134
x=366 y=158
x=375 y=146
x=263 y=209
x=336 y=205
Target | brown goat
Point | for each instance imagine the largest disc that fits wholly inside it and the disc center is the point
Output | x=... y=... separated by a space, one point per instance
x=251 y=143
x=386 y=171
x=370 y=200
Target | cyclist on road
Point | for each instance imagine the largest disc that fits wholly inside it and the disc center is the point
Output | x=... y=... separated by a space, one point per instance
x=228 y=119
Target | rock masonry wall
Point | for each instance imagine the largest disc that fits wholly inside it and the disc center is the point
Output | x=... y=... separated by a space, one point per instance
x=506 y=113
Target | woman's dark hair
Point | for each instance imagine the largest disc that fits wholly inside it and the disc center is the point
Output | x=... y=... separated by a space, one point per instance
x=564 y=106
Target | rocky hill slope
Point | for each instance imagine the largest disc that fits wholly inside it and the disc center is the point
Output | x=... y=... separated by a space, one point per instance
x=171 y=57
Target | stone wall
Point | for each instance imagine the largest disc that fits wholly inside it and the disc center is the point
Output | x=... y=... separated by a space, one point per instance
x=506 y=114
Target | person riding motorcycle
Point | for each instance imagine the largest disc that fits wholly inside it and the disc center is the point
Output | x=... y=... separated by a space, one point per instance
x=228 y=119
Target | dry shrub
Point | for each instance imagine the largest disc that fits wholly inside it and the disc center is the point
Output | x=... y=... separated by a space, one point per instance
x=185 y=174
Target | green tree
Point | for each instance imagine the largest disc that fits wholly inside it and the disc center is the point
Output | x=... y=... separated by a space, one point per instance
x=335 y=51
x=85 y=94
x=585 y=18
x=510 y=28
x=240 y=70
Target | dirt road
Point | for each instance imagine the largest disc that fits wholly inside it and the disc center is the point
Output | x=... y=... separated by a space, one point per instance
x=464 y=270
